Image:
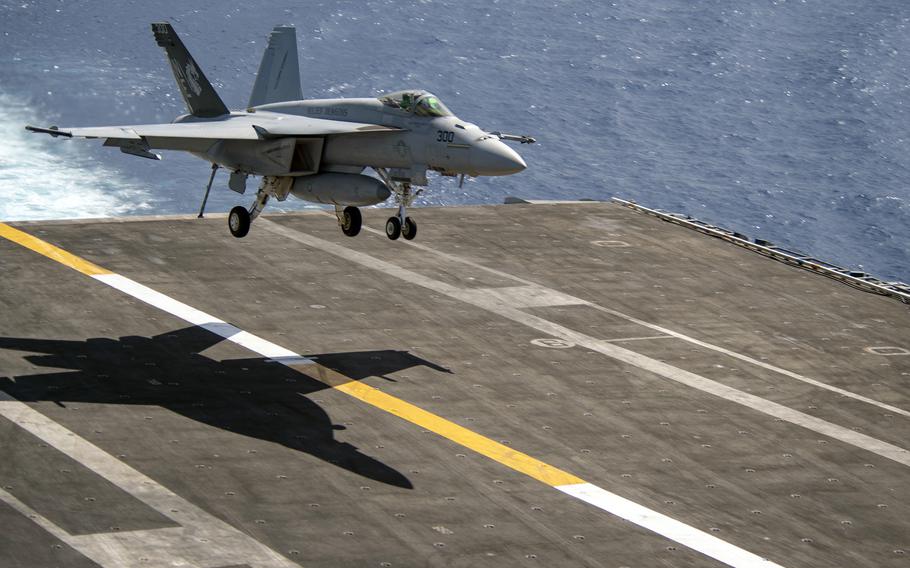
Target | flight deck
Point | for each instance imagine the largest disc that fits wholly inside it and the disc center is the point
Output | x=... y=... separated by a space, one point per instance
x=573 y=384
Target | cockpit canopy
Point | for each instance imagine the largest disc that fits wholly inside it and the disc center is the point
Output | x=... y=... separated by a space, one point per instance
x=421 y=103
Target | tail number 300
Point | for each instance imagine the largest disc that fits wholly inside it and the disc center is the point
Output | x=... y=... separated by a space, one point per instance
x=445 y=136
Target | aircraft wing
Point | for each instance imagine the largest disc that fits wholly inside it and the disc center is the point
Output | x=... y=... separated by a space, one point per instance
x=198 y=135
x=245 y=127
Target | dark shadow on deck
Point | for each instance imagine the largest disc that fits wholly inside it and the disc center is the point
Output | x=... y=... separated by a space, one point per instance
x=252 y=397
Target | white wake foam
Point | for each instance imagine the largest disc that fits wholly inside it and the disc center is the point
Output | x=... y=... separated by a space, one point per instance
x=46 y=178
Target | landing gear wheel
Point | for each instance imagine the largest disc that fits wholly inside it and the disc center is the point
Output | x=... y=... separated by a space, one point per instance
x=351 y=220
x=393 y=228
x=239 y=221
x=409 y=229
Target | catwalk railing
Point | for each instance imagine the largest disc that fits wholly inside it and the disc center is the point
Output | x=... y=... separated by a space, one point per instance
x=861 y=280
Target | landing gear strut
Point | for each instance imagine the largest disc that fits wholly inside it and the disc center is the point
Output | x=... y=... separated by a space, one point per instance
x=400 y=225
x=239 y=219
x=349 y=219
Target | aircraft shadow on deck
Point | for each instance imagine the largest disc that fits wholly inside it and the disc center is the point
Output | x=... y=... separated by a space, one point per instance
x=252 y=397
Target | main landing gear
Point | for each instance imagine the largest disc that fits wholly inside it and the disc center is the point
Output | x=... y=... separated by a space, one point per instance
x=240 y=219
x=349 y=219
x=400 y=225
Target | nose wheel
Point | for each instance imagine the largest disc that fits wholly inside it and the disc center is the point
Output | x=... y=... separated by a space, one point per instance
x=393 y=228
x=409 y=229
x=400 y=225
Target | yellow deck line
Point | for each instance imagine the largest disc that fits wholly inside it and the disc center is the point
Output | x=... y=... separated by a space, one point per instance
x=501 y=453
x=50 y=251
x=505 y=455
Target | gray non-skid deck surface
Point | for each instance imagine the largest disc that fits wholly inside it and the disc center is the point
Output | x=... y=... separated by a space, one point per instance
x=329 y=481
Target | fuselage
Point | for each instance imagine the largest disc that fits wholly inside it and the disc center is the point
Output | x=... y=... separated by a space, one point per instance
x=445 y=144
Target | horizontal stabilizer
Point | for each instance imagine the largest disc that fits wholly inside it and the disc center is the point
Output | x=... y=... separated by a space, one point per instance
x=278 y=79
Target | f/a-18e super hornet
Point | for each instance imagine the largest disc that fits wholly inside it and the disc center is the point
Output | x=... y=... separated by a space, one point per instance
x=315 y=150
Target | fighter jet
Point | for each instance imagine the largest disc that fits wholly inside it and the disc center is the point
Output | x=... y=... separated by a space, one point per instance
x=318 y=149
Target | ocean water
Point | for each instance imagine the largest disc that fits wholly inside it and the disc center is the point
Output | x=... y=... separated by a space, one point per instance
x=784 y=120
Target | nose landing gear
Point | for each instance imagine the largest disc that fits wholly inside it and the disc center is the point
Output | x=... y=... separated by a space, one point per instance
x=400 y=225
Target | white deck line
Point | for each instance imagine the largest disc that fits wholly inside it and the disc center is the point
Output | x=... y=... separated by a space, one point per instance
x=756 y=362
x=32 y=514
x=190 y=314
x=201 y=539
x=674 y=530
x=677 y=531
x=661 y=329
x=497 y=306
x=643 y=338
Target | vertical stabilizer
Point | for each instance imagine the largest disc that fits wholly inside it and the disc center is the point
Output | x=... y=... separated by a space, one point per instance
x=278 y=79
x=199 y=95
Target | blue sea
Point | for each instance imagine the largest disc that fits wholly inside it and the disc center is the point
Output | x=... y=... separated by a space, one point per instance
x=783 y=120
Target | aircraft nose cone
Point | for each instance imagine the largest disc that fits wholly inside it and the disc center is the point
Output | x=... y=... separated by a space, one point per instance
x=493 y=158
